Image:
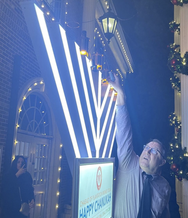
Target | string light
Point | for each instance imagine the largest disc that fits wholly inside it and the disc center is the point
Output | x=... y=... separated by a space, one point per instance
x=27 y=92
x=66 y=11
x=177 y=156
x=124 y=51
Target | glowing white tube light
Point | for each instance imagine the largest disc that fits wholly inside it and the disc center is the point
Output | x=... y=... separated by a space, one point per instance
x=99 y=105
x=104 y=126
x=55 y=71
x=86 y=92
x=99 y=88
x=75 y=89
x=106 y=119
x=105 y=99
x=109 y=132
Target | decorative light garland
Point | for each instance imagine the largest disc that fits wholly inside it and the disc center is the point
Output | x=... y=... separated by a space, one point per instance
x=177 y=156
x=66 y=7
x=58 y=180
x=179 y=2
x=176 y=83
x=174 y=27
x=38 y=84
x=176 y=63
x=124 y=51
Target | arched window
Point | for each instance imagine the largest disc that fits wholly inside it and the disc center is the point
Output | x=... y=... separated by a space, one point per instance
x=33 y=116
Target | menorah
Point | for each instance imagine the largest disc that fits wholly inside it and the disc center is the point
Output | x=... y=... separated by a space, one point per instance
x=83 y=106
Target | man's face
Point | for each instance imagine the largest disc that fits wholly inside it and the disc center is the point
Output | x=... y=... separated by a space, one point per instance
x=150 y=162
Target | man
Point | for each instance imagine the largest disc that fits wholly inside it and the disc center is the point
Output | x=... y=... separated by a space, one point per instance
x=133 y=171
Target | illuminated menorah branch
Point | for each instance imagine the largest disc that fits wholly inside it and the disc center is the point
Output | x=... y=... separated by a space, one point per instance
x=85 y=117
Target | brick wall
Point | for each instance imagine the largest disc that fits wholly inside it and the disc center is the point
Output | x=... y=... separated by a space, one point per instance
x=14 y=40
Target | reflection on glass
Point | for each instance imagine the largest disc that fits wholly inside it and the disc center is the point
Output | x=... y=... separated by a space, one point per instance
x=36 y=151
x=17 y=148
x=40 y=150
x=38 y=179
x=40 y=163
x=36 y=161
x=26 y=149
x=21 y=148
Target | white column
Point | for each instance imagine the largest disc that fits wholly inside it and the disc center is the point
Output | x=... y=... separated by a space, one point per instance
x=88 y=21
x=184 y=97
x=177 y=105
x=177 y=95
x=177 y=19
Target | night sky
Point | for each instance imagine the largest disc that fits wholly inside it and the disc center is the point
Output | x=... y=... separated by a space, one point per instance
x=150 y=98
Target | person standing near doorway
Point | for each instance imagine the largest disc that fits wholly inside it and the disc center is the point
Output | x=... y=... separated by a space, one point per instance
x=17 y=190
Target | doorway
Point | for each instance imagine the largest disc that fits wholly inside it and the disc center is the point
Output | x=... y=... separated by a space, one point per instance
x=34 y=142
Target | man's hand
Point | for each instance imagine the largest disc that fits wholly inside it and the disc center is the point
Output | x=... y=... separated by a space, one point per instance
x=21 y=171
x=117 y=86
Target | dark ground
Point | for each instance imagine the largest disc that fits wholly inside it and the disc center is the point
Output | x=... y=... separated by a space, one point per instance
x=150 y=98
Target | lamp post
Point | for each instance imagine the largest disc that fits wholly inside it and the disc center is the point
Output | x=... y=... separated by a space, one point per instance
x=109 y=22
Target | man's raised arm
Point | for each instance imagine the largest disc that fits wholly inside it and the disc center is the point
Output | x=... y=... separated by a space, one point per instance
x=125 y=151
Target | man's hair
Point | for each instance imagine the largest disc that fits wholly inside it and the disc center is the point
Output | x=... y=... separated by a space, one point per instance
x=162 y=146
